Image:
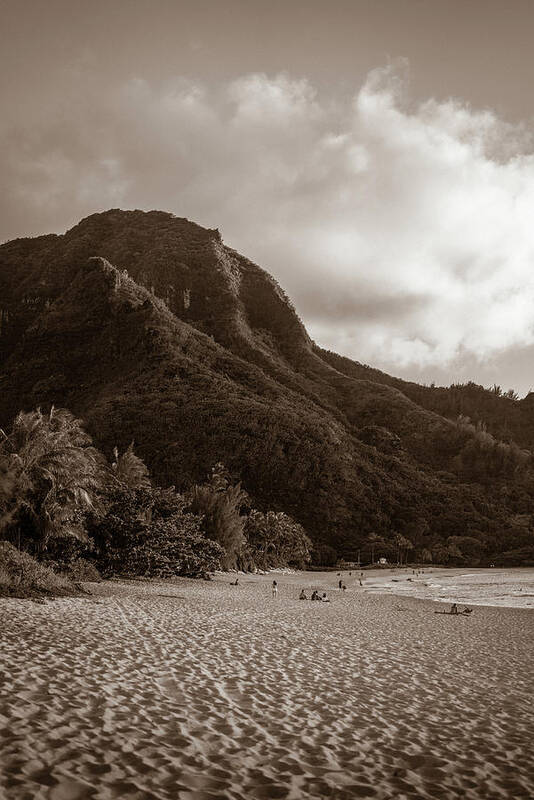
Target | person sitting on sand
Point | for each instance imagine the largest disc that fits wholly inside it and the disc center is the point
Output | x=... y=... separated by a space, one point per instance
x=235 y=583
x=467 y=610
x=302 y=595
x=275 y=588
x=324 y=598
x=315 y=595
x=454 y=609
x=343 y=587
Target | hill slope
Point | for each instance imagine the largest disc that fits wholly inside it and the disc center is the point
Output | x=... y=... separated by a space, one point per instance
x=150 y=328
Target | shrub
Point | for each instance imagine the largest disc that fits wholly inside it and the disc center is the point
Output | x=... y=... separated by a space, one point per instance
x=276 y=540
x=146 y=531
x=22 y=576
x=82 y=570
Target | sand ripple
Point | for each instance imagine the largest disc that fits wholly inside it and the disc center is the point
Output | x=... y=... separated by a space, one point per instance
x=193 y=690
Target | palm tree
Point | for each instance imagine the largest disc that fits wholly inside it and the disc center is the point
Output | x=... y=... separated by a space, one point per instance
x=54 y=471
x=402 y=544
x=426 y=555
x=220 y=504
x=130 y=470
x=374 y=540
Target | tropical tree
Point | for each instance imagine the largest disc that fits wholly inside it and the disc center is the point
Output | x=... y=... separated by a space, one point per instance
x=324 y=555
x=219 y=503
x=274 y=539
x=374 y=541
x=147 y=531
x=403 y=545
x=129 y=469
x=52 y=473
x=426 y=555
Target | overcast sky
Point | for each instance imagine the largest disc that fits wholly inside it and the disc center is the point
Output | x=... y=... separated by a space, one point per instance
x=376 y=156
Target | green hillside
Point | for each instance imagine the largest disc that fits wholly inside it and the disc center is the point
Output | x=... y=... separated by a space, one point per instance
x=149 y=328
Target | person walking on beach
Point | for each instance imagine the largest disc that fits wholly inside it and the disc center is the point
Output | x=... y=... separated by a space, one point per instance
x=275 y=589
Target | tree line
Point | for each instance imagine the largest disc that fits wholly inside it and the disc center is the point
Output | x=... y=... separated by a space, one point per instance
x=64 y=503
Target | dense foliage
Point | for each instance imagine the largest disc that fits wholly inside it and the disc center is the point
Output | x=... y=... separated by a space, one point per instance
x=148 y=532
x=219 y=504
x=23 y=576
x=60 y=499
x=49 y=471
x=274 y=539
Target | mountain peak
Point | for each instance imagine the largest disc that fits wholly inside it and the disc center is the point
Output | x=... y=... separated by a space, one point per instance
x=151 y=328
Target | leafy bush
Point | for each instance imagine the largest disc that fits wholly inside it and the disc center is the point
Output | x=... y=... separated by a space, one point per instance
x=82 y=570
x=148 y=532
x=275 y=540
x=23 y=576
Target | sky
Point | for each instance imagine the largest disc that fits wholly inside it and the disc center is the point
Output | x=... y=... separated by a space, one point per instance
x=375 y=156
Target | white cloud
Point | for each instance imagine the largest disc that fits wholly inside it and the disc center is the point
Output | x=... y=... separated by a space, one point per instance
x=403 y=234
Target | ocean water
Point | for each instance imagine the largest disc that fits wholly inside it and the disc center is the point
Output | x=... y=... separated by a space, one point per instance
x=513 y=588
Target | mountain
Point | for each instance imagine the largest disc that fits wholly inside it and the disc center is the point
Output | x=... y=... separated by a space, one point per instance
x=150 y=328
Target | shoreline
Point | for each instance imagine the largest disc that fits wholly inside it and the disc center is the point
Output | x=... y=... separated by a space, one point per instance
x=401 y=582
x=496 y=587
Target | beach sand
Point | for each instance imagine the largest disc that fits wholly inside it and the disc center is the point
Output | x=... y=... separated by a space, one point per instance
x=191 y=690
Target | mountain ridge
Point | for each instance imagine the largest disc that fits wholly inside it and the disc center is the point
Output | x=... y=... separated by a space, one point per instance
x=149 y=327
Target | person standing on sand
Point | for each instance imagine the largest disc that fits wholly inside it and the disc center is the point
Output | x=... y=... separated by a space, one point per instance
x=275 y=589
x=340 y=583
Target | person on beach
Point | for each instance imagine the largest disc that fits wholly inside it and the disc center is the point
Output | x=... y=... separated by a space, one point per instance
x=454 y=609
x=235 y=583
x=340 y=583
x=315 y=595
x=324 y=598
x=275 y=589
x=344 y=587
x=302 y=595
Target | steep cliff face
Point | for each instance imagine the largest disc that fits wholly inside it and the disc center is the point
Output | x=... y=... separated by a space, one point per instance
x=150 y=328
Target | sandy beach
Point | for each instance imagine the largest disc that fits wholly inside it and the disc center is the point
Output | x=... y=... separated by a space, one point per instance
x=191 y=690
